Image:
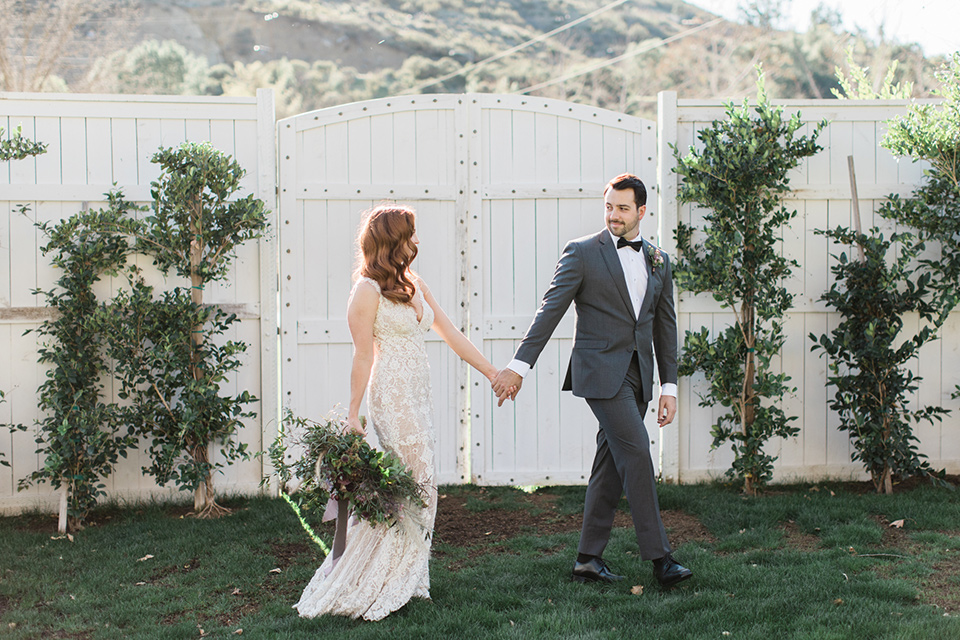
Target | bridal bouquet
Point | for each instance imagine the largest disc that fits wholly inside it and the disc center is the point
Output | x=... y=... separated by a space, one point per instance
x=342 y=465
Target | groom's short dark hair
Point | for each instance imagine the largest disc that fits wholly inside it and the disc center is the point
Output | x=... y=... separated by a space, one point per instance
x=626 y=181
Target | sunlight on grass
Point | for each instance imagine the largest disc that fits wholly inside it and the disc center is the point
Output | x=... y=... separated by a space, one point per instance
x=246 y=570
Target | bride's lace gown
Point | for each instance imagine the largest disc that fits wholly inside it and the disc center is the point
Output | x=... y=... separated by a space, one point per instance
x=383 y=567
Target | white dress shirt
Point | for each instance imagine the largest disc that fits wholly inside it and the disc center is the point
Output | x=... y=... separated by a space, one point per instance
x=634 y=265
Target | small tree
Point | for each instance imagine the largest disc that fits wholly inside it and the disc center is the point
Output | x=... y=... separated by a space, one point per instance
x=859 y=86
x=741 y=177
x=193 y=231
x=153 y=67
x=173 y=387
x=931 y=132
x=80 y=435
x=868 y=356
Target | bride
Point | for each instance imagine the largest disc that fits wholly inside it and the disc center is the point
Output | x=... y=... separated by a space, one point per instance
x=389 y=311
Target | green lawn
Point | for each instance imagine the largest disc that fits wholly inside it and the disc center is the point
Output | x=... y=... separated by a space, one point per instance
x=800 y=562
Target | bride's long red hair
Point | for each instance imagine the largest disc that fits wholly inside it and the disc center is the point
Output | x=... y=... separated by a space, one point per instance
x=386 y=250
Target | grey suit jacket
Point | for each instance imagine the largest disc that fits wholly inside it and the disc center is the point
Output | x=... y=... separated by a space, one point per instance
x=607 y=333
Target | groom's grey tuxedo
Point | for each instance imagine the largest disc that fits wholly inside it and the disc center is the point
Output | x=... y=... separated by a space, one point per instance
x=611 y=366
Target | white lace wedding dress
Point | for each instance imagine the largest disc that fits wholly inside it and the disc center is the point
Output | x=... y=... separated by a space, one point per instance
x=383 y=567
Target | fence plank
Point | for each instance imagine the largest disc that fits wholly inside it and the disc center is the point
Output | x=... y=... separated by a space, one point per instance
x=22 y=171
x=91 y=144
x=546 y=153
x=359 y=160
x=48 y=164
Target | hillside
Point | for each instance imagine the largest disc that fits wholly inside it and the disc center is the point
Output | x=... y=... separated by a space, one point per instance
x=375 y=34
x=609 y=53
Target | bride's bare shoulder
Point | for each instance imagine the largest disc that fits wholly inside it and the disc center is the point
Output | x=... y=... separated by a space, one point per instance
x=363 y=282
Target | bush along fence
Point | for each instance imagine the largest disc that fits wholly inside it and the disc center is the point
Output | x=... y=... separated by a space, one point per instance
x=868 y=352
x=165 y=351
x=740 y=175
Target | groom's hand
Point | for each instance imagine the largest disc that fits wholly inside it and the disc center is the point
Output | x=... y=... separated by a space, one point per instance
x=666 y=410
x=506 y=385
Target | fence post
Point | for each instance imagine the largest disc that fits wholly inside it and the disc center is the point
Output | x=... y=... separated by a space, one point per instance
x=269 y=284
x=667 y=116
x=480 y=402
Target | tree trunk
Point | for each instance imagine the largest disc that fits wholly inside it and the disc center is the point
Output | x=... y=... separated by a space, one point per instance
x=885 y=484
x=748 y=398
x=62 y=518
x=204 y=497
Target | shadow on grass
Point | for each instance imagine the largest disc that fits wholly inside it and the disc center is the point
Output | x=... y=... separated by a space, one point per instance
x=800 y=563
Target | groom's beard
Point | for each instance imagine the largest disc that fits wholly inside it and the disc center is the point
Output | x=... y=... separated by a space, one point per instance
x=622 y=231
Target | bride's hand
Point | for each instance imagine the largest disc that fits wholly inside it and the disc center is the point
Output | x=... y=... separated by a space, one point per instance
x=354 y=426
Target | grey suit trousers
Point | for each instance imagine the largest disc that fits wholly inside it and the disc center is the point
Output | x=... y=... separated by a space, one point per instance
x=623 y=465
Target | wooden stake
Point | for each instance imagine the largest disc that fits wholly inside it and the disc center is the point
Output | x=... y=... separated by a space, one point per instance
x=856 y=206
x=62 y=520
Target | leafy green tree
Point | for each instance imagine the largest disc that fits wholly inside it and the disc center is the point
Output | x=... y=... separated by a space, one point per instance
x=193 y=231
x=154 y=67
x=741 y=177
x=80 y=435
x=931 y=132
x=860 y=86
x=173 y=384
x=868 y=355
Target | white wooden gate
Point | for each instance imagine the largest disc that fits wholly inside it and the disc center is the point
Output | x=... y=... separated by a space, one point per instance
x=500 y=183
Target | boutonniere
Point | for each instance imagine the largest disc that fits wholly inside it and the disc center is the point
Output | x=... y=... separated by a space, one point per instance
x=656 y=258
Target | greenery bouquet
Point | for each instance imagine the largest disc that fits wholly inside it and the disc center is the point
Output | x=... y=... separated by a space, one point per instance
x=341 y=465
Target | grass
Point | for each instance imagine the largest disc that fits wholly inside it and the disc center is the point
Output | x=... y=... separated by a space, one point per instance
x=796 y=563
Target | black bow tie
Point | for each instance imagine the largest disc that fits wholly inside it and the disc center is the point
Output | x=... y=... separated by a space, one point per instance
x=636 y=245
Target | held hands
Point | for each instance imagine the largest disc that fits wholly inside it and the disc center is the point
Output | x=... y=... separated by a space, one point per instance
x=506 y=385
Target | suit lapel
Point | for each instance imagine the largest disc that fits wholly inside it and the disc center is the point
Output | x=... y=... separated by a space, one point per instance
x=648 y=296
x=608 y=251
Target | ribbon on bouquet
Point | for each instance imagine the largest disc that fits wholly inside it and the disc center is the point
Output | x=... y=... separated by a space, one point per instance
x=339 y=510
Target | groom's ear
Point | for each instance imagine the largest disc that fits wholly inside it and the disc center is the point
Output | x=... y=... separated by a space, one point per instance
x=641 y=211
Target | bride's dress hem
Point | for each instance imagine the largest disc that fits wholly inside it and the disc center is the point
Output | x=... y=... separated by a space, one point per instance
x=383 y=567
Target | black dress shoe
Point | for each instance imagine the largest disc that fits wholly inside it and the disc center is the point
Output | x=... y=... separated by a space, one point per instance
x=595 y=570
x=669 y=572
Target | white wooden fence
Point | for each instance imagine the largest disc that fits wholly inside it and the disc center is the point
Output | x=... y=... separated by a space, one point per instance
x=821 y=196
x=500 y=183
x=93 y=143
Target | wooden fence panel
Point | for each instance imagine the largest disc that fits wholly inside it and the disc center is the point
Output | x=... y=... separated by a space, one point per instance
x=93 y=142
x=501 y=183
x=821 y=196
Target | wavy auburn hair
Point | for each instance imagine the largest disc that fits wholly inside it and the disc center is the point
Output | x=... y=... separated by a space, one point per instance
x=386 y=250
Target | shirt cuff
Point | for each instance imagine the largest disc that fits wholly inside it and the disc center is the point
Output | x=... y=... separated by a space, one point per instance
x=668 y=389
x=520 y=367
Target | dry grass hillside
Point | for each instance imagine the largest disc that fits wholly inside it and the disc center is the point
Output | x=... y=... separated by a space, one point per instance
x=314 y=53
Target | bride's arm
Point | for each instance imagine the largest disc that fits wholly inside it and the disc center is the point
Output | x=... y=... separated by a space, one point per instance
x=361 y=313
x=455 y=338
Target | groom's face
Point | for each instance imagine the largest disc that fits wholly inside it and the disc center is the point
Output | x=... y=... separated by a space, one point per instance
x=622 y=214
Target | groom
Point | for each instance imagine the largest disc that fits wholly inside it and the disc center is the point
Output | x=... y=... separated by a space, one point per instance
x=623 y=292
